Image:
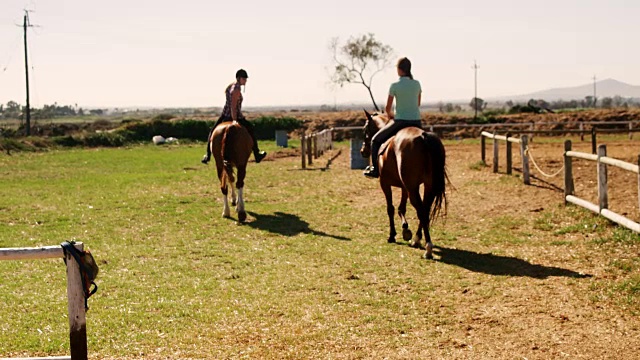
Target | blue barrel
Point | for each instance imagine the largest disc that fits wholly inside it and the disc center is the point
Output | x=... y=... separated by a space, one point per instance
x=357 y=161
x=281 y=138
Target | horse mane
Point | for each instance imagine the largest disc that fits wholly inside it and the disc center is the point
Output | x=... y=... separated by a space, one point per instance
x=380 y=119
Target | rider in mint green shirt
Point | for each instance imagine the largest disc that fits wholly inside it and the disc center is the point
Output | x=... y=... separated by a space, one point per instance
x=408 y=95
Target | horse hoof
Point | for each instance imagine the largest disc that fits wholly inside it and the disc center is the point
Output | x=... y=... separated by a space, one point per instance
x=242 y=216
x=428 y=256
x=233 y=203
x=415 y=244
x=406 y=234
x=391 y=240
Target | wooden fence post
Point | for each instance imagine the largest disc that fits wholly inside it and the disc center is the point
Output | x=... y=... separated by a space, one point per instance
x=77 y=318
x=603 y=197
x=482 y=150
x=509 y=160
x=524 y=143
x=495 y=153
x=639 y=182
x=532 y=127
x=581 y=131
x=316 y=153
x=309 y=150
x=568 y=171
x=331 y=139
x=630 y=130
x=303 y=146
x=593 y=140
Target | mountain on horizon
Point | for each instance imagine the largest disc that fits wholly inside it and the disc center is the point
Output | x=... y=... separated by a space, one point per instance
x=604 y=88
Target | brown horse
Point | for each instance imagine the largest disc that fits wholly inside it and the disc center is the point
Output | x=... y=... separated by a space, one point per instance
x=231 y=147
x=409 y=159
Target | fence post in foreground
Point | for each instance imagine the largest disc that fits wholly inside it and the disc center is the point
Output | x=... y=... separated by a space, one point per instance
x=509 y=162
x=302 y=149
x=495 y=153
x=603 y=197
x=309 y=150
x=482 y=150
x=524 y=143
x=316 y=153
x=77 y=318
x=568 y=171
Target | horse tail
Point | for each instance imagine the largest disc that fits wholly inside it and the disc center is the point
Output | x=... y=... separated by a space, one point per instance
x=436 y=157
x=227 y=144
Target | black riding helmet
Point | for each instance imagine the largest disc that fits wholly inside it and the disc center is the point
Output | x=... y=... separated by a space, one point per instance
x=241 y=74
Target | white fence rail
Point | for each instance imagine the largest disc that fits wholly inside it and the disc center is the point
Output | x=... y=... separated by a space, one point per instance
x=602 y=208
x=314 y=145
x=75 y=293
x=522 y=141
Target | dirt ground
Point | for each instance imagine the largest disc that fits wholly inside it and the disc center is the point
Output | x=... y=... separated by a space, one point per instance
x=555 y=294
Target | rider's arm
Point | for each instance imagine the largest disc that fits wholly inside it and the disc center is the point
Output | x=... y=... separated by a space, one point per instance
x=419 y=99
x=389 y=108
x=235 y=97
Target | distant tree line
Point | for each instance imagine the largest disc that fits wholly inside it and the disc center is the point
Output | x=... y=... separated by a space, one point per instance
x=14 y=110
x=540 y=105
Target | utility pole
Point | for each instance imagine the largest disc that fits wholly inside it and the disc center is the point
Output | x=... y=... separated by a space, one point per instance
x=594 y=91
x=25 y=25
x=475 y=68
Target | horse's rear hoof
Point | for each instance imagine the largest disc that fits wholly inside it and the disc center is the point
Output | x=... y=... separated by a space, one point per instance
x=406 y=234
x=428 y=256
x=242 y=216
x=416 y=244
x=391 y=240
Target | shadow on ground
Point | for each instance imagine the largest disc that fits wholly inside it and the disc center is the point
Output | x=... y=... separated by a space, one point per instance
x=500 y=265
x=285 y=224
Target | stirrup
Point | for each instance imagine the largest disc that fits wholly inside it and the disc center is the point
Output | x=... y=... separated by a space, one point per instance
x=260 y=155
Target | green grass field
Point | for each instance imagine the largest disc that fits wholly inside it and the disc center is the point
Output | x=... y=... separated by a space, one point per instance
x=309 y=276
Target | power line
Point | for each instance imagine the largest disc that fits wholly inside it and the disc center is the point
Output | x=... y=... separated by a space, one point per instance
x=11 y=53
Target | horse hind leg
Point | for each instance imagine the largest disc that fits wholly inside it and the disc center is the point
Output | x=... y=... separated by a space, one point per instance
x=226 y=211
x=428 y=200
x=423 y=215
x=234 y=195
x=390 y=212
x=242 y=214
x=402 y=211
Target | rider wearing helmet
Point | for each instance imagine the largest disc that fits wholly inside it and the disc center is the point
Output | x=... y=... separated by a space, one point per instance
x=232 y=111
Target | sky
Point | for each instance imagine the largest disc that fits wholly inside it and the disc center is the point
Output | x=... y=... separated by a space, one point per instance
x=142 y=53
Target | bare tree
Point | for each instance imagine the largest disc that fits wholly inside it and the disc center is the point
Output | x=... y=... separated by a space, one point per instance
x=358 y=60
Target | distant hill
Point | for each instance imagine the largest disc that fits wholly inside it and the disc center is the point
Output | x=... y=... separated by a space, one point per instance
x=604 y=88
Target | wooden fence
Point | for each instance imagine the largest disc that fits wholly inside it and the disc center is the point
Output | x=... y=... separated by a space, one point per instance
x=75 y=293
x=603 y=199
x=314 y=145
x=522 y=141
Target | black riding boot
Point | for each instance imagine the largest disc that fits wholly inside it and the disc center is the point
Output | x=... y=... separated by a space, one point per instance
x=257 y=154
x=372 y=171
x=207 y=156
